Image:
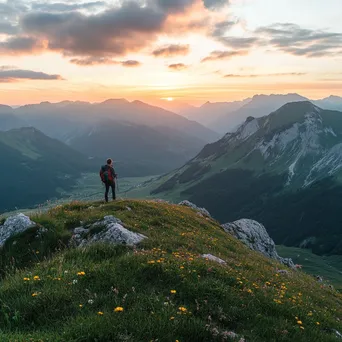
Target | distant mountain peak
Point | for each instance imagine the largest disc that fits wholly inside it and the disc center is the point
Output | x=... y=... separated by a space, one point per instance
x=114 y=102
x=5 y=108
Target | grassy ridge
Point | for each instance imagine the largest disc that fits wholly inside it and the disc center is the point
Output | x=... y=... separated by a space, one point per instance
x=328 y=267
x=162 y=291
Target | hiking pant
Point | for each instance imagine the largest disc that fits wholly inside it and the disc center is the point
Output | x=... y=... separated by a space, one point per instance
x=108 y=186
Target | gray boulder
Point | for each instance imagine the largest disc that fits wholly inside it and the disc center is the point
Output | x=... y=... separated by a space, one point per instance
x=213 y=258
x=109 y=230
x=254 y=235
x=14 y=225
x=202 y=211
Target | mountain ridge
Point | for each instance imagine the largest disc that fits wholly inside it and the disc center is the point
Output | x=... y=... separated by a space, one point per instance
x=291 y=156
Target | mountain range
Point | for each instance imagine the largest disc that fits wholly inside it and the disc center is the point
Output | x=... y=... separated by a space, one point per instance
x=143 y=139
x=34 y=167
x=223 y=117
x=283 y=169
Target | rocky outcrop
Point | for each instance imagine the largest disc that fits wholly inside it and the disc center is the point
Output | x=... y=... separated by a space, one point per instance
x=14 y=225
x=254 y=235
x=202 y=211
x=109 y=230
x=213 y=258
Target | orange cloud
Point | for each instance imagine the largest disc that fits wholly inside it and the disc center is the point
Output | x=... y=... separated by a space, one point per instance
x=90 y=61
x=217 y=55
x=172 y=50
x=178 y=66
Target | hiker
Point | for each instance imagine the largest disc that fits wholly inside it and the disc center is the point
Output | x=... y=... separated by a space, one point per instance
x=108 y=176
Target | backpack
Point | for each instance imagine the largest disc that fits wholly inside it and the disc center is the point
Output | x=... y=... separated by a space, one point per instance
x=106 y=174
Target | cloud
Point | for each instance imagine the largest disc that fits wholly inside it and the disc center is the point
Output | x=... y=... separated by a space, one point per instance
x=220 y=33
x=18 y=45
x=121 y=28
x=215 y=4
x=171 y=51
x=91 y=61
x=291 y=38
x=10 y=9
x=8 y=28
x=217 y=55
x=172 y=6
x=7 y=75
x=130 y=63
x=222 y=27
x=67 y=7
x=178 y=66
x=265 y=75
x=239 y=43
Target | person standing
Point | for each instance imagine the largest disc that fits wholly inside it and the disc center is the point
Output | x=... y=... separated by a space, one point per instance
x=108 y=177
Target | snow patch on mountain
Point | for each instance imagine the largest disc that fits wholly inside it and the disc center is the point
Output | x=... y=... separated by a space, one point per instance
x=329 y=164
x=329 y=130
x=300 y=140
x=247 y=130
x=279 y=140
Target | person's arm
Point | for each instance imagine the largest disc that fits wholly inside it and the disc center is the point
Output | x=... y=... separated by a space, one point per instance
x=114 y=173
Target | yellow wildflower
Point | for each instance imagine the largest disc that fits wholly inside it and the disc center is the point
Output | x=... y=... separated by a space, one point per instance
x=318 y=323
x=118 y=309
x=299 y=322
x=100 y=313
x=182 y=309
x=81 y=273
x=173 y=291
x=26 y=279
x=36 y=278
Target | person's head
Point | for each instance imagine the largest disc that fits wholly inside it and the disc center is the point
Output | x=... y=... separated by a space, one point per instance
x=109 y=161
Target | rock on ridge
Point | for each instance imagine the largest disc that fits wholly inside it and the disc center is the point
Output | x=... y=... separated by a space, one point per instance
x=111 y=231
x=14 y=225
x=254 y=235
x=203 y=211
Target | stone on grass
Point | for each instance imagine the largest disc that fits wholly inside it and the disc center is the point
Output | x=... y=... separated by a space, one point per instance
x=191 y=205
x=213 y=258
x=254 y=235
x=109 y=230
x=14 y=225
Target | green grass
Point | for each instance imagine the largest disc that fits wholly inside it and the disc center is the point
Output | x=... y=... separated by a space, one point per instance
x=328 y=267
x=246 y=296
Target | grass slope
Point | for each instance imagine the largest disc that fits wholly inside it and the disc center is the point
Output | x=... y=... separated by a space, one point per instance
x=167 y=292
x=328 y=267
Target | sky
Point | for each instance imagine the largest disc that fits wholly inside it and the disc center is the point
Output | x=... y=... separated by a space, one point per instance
x=191 y=51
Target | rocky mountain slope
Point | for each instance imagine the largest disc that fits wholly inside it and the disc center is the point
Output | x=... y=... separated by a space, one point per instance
x=157 y=272
x=273 y=169
x=33 y=166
